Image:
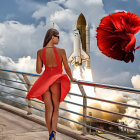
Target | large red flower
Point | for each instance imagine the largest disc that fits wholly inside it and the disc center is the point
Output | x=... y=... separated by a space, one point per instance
x=115 y=35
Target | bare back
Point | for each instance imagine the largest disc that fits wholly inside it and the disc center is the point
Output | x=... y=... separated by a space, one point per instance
x=50 y=56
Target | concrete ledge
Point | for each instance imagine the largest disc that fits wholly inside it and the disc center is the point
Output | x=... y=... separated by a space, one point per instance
x=60 y=128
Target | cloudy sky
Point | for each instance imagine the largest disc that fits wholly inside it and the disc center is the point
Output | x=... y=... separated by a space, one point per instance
x=23 y=25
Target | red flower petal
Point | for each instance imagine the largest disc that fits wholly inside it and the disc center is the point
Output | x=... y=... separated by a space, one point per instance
x=115 y=35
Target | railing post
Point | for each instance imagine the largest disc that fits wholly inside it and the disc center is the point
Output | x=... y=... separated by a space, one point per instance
x=29 y=111
x=90 y=114
x=84 y=109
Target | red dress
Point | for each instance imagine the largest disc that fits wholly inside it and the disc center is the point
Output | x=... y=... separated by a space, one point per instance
x=49 y=76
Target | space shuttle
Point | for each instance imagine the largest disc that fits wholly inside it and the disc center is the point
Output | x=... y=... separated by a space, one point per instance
x=81 y=43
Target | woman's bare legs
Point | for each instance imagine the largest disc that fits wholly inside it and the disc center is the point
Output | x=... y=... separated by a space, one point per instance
x=56 y=93
x=48 y=109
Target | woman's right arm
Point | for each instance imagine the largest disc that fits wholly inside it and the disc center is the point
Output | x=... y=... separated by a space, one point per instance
x=66 y=66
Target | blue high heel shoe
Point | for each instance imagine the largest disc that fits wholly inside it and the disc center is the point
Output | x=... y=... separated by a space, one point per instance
x=52 y=136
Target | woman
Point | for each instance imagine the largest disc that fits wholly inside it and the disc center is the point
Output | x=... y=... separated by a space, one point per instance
x=52 y=86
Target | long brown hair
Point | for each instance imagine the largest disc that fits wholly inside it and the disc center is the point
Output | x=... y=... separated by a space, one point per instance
x=49 y=35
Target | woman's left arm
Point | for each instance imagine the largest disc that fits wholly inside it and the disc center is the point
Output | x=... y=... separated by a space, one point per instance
x=39 y=62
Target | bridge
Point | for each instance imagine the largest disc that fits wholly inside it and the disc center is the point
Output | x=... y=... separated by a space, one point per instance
x=24 y=119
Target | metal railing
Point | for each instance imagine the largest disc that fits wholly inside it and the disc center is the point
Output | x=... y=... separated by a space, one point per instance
x=83 y=95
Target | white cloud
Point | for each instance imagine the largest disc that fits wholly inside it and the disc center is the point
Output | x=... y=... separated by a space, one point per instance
x=47 y=10
x=136 y=81
x=21 y=65
x=19 y=40
x=120 y=11
x=8 y=64
x=65 y=19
